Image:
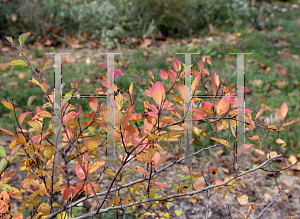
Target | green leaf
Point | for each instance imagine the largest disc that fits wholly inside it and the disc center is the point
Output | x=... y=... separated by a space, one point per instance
x=12 y=158
x=16 y=149
x=23 y=37
x=168 y=205
x=46 y=105
x=44 y=65
x=18 y=62
x=5 y=187
x=21 y=55
x=251 y=198
x=10 y=39
x=3 y=164
x=30 y=100
x=2 y=152
x=178 y=212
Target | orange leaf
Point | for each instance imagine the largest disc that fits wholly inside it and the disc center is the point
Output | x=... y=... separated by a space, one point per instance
x=201 y=64
x=161 y=185
x=139 y=169
x=96 y=165
x=260 y=112
x=67 y=193
x=42 y=114
x=135 y=117
x=158 y=92
x=79 y=171
x=198 y=184
x=176 y=65
x=291 y=122
x=209 y=61
x=6 y=132
x=223 y=106
x=283 y=110
x=22 y=117
x=255 y=137
x=222 y=141
x=127 y=116
x=280 y=141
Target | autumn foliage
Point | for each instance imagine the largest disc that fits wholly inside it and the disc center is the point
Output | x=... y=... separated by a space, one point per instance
x=60 y=177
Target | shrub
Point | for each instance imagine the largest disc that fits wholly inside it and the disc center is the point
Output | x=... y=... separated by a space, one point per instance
x=60 y=176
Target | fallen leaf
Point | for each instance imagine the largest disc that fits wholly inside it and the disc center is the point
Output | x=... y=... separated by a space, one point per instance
x=261 y=65
x=4 y=66
x=13 y=17
x=228 y=58
x=281 y=72
x=76 y=46
x=231 y=37
x=256 y=82
x=285 y=52
x=21 y=75
x=145 y=44
x=279 y=28
x=238 y=34
x=14 y=83
x=242 y=199
x=68 y=59
x=88 y=61
x=281 y=84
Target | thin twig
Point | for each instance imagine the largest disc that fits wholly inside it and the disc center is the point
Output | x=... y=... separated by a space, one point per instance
x=271 y=203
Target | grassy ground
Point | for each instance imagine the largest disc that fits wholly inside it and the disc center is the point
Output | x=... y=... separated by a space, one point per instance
x=276 y=45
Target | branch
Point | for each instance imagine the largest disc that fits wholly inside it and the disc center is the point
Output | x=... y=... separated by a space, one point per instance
x=53 y=214
x=271 y=203
x=177 y=195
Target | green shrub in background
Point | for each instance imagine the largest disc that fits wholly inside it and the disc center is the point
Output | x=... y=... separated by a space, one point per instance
x=111 y=20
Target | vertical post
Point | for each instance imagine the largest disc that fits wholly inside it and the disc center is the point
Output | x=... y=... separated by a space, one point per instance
x=57 y=98
x=188 y=104
x=240 y=138
x=110 y=103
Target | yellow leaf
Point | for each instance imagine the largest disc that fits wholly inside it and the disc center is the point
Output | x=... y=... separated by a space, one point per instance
x=62 y=215
x=49 y=151
x=272 y=154
x=16 y=194
x=222 y=141
x=91 y=145
x=131 y=88
x=175 y=128
x=224 y=194
x=292 y=159
x=258 y=151
x=37 y=125
x=7 y=104
x=238 y=34
x=44 y=208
